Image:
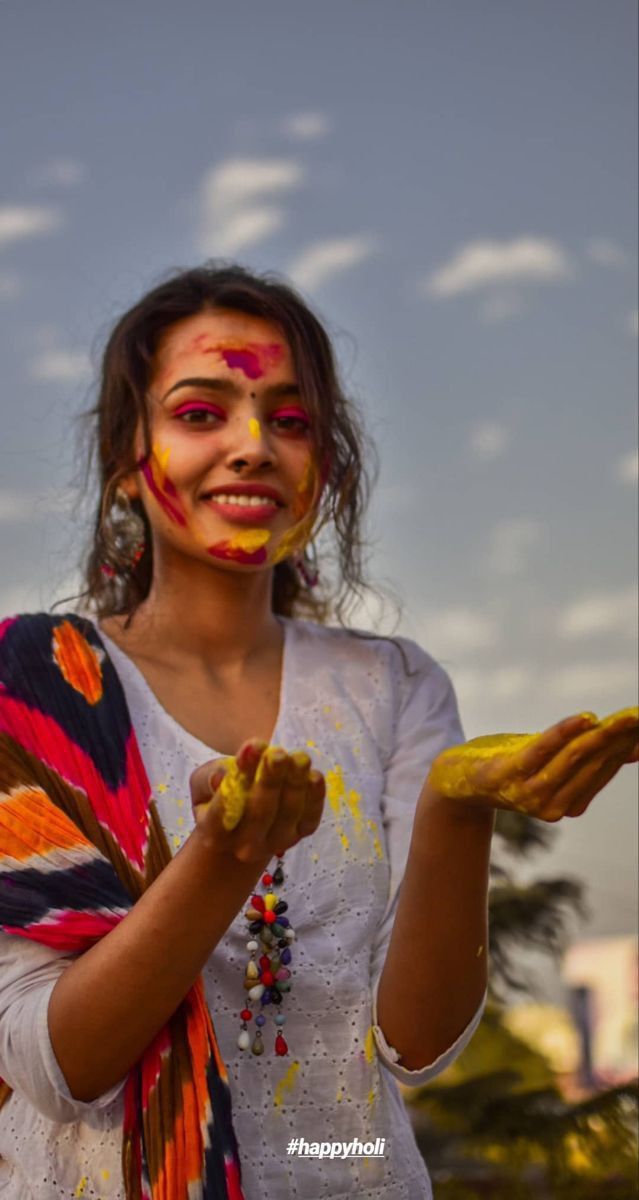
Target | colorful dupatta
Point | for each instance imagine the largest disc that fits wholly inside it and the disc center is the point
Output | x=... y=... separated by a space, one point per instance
x=80 y=841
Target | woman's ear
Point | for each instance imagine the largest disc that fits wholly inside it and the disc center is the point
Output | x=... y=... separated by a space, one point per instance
x=130 y=486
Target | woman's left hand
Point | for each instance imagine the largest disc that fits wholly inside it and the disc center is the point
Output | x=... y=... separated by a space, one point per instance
x=547 y=775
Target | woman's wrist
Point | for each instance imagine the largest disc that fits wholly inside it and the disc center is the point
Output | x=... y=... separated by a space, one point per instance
x=474 y=811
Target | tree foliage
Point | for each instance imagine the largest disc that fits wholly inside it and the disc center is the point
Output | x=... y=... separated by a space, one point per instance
x=497 y=1124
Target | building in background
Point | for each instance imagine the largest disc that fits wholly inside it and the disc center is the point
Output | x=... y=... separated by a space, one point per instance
x=602 y=978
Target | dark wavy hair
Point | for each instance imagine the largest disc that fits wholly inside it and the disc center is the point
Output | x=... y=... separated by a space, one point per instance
x=337 y=430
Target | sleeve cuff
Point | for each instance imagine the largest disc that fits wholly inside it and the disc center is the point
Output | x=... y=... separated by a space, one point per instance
x=69 y=1109
x=391 y=1059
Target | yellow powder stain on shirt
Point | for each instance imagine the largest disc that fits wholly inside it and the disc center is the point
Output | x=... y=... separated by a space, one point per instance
x=180 y=821
x=339 y=724
x=344 y=840
x=326 y=708
x=353 y=802
x=372 y=825
x=254 y=428
x=162 y=787
x=335 y=790
x=312 y=745
x=369 y=1045
x=177 y=841
x=286 y=1084
x=340 y=1093
x=180 y=804
x=250 y=540
x=371 y=1098
x=105 y=1174
x=315 y=857
x=79 y=1191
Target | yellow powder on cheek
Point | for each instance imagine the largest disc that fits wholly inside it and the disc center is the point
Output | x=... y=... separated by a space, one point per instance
x=250 y=540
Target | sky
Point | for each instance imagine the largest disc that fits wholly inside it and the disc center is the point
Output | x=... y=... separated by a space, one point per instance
x=453 y=187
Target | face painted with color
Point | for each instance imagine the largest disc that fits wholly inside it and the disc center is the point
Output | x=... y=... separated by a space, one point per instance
x=231 y=474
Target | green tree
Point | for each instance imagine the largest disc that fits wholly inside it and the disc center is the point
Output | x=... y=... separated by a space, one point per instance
x=496 y=1124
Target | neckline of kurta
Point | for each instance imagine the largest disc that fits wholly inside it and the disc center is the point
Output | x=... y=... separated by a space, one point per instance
x=194 y=744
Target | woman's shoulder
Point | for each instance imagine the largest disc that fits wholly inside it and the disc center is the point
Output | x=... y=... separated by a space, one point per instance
x=358 y=648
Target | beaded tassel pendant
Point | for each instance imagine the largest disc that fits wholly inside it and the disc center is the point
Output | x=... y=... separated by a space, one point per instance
x=267 y=978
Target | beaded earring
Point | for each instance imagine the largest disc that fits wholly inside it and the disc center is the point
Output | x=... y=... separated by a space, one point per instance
x=267 y=980
x=306 y=565
x=123 y=530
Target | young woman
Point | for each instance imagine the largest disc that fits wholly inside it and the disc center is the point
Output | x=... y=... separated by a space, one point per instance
x=209 y=802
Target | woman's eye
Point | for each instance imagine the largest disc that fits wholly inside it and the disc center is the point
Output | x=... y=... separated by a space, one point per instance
x=198 y=415
x=291 y=424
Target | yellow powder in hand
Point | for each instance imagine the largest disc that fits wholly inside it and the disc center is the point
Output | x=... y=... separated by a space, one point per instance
x=233 y=791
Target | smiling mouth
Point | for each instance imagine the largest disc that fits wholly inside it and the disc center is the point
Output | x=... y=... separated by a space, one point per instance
x=243 y=501
x=244 y=509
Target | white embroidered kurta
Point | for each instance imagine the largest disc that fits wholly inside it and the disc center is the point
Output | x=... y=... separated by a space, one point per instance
x=373 y=731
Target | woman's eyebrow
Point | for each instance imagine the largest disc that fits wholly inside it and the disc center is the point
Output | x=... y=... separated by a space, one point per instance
x=276 y=391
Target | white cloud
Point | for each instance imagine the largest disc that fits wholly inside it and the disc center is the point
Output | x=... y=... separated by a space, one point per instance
x=306 y=126
x=236 y=207
x=500 y=307
x=245 y=228
x=321 y=260
x=509 y=543
x=584 y=683
x=605 y=253
x=632 y=322
x=627 y=467
x=60 y=172
x=27 y=220
x=488 y=263
x=503 y=684
x=456 y=629
x=60 y=366
x=489 y=441
x=601 y=612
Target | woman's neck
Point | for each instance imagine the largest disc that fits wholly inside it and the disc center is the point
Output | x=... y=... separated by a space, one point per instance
x=205 y=614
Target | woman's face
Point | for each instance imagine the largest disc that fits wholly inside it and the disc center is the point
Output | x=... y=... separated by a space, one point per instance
x=230 y=476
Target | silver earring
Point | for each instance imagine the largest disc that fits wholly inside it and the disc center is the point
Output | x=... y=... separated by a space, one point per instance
x=124 y=536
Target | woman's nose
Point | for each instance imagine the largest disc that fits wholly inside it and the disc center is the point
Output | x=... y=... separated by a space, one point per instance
x=249 y=443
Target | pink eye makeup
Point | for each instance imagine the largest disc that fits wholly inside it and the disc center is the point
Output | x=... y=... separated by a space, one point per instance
x=199 y=409
x=292 y=414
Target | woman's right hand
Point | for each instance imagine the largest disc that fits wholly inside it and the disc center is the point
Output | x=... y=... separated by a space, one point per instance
x=262 y=801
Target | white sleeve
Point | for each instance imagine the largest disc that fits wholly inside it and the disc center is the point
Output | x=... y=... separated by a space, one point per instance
x=428 y=723
x=29 y=972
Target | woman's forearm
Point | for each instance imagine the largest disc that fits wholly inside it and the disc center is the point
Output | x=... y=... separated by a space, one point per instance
x=435 y=970
x=109 y=1004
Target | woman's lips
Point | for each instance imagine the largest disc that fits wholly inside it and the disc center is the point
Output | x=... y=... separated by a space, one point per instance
x=241 y=514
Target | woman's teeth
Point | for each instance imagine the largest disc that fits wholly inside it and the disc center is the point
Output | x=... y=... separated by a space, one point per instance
x=243 y=501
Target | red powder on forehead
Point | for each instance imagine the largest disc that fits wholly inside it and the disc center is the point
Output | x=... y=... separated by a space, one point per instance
x=253 y=358
x=232 y=553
